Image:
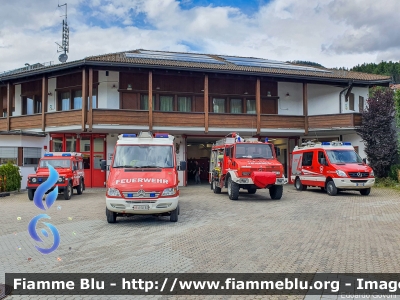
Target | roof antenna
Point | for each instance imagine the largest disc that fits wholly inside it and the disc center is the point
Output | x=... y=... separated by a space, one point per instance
x=316 y=136
x=65 y=38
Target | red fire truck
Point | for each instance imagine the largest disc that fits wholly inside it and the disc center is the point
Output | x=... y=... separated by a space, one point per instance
x=248 y=164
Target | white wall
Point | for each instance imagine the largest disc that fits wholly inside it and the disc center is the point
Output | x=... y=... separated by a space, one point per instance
x=292 y=105
x=18 y=101
x=51 y=88
x=108 y=97
x=25 y=141
x=357 y=91
x=323 y=99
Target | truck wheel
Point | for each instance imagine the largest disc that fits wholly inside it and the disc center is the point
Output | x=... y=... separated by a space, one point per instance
x=233 y=189
x=68 y=191
x=111 y=216
x=174 y=215
x=79 y=189
x=251 y=190
x=298 y=185
x=31 y=194
x=276 y=192
x=365 y=192
x=331 y=188
x=216 y=189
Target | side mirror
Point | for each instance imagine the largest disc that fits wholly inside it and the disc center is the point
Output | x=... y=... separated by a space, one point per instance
x=323 y=162
x=35 y=169
x=182 y=166
x=103 y=165
x=74 y=168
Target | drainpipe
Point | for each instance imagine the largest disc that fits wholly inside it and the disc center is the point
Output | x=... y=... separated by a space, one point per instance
x=340 y=95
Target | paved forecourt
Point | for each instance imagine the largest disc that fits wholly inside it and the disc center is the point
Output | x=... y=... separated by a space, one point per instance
x=303 y=232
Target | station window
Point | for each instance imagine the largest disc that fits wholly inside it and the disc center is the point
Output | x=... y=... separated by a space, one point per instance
x=32 y=155
x=8 y=154
x=218 y=105
x=185 y=104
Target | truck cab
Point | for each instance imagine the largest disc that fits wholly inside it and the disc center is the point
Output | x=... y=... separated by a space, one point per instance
x=331 y=166
x=69 y=166
x=143 y=177
x=249 y=164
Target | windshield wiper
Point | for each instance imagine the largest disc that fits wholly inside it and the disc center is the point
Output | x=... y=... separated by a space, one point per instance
x=59 y=167
x=148 y=166
x=244 y=156
x=126 y=166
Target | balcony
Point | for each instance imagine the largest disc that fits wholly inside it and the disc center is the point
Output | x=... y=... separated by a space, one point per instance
x=232 y=120
x=282 y=122
x=178 y=119
x=26 y=122
x=63 y=118
x=120 y=117
x=3 y=124
x=335 y=121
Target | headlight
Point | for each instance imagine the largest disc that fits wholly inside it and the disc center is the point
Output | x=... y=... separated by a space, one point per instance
x=341 y=173
x=243 y=180
x=113 y=192
x=277 y=172
x=169 y=192
x=60 y=179
x=372 y=174
x=33 y=179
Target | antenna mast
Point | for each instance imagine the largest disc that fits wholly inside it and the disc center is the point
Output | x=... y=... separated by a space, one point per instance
x=64 y=47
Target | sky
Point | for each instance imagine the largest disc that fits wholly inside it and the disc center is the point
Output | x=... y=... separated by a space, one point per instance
x=333 y=33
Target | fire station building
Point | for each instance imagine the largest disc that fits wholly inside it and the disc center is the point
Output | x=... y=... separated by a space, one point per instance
x=83 y=105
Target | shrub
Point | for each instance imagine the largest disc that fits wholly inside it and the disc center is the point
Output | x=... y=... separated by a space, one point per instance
x=11 y=180
x=393 y=173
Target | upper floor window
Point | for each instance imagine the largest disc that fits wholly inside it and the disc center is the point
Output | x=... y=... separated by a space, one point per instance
x=77 y=100
x=236 y=106
x=31 y=105
x=64 y=101
x=144 y=102
x=360 y=104
x=251 y=106
x=185 y=104
x=68 y=100
x=351 y=101
x=166 y=103
x=218 y=105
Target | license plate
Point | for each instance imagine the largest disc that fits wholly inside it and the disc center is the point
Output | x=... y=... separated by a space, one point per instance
x=360 y=184
x=140 y=207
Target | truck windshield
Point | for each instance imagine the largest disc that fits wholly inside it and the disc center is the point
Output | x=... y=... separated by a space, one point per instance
x=143 y=156
x=343 y=156
x=56 y=163
x=253 y=151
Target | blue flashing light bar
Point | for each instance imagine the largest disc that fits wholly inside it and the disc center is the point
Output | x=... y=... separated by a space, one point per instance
x=48 y=154
x=346 y=144
x=66 y=154
x=129 y=135
x=161 y=135
x=325 y=143
x=266 y=140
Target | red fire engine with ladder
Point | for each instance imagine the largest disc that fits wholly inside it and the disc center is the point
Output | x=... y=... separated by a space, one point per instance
x=248 y=164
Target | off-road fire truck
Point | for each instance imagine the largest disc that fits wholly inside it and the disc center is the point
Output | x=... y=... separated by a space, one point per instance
x=245 y=164
x=69 y=166
x=331 y=166
x=143 y=177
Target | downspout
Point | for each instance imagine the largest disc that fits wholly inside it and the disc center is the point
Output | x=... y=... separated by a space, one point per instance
x=340 y=95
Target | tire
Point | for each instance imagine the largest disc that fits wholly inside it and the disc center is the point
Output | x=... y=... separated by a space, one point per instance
x=111 y=216
x=31 y=194
x=331 y=188
x=251 y=190
x=79 y=189
x=365 y=192
x=68 y=191
x=298 y=185
x=216 y=189
x=174 y=215
x=323 y=189
x=233 y=189
x=276 y=192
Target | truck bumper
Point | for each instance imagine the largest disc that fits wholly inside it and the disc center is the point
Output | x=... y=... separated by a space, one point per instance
x=352 y=184
x=162 y=205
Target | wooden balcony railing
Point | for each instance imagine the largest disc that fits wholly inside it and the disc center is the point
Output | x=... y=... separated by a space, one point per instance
x=63 y=118
x=282 y=122
x=120 y=117
x=335 y=121
x=232 y=120
x=179 y=119
x=3 y=124
x=26 y=122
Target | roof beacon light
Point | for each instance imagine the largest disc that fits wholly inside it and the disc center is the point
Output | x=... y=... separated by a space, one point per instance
x=161 y=135
x=266 y=140
x=346 y=144
x=129 y=135
x=48 y=154
x=66 y=154
x=325 y=143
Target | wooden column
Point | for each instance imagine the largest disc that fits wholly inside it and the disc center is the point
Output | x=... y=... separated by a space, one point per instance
x=258 y=105
x=45 y=97
x=305 y=108
x=90 y=118
x=150 y=100
x=206 y=109
x=84 y=99
x=10 y=95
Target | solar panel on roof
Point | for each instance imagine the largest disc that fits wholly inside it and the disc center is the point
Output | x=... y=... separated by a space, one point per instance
x=174 y=56
x=266 y=63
